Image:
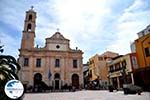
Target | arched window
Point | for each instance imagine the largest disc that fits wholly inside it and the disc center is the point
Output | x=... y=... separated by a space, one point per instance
x=29 y=27
x=30 y=17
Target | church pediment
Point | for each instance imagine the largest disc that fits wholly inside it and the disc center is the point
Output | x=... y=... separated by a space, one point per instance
x=57 y=36
x=57 y=42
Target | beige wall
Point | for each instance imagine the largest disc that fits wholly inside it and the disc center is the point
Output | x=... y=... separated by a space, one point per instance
x=99 y=67
x=48 y=54
x=129 y=67
x=48 y=62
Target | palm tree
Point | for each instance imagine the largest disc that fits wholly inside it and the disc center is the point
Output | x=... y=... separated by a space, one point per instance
x=8 y=71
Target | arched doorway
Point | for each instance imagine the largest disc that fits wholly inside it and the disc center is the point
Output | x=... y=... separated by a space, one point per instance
x=75 y=81
x=57 y=81
x=37 y=82
x=37 y=78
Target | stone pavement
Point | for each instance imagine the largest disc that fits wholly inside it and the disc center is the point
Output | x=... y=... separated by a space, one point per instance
x=86 y=95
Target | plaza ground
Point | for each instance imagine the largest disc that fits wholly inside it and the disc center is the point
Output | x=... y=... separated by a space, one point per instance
x=86 y=95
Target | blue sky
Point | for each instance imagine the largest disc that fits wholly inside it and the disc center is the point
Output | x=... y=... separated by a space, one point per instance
x=93 y=26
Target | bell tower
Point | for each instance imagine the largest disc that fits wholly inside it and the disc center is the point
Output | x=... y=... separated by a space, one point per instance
x=28 y=33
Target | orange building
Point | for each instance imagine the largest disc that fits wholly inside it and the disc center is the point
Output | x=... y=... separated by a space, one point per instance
x=98 y=69
x=143 y=51
x=142 y=47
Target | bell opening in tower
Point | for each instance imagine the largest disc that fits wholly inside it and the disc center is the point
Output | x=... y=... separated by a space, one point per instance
x=29 y=27
x=30 y=17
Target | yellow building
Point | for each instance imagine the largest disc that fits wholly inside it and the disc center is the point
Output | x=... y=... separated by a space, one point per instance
x=142 y=47
x=121 y=70
x=98 y=69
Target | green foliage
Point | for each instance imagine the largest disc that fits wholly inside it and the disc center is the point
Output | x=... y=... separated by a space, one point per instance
x=8 y=71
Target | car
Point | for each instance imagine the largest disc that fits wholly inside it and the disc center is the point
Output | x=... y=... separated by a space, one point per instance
x=132 y=89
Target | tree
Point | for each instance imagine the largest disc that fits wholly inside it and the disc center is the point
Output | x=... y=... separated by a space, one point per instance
x=8 y=71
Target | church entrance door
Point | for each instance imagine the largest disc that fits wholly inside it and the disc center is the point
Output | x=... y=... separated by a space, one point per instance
x=75 y=81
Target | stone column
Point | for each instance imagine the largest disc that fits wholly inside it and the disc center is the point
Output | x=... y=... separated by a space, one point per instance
x=132 y=78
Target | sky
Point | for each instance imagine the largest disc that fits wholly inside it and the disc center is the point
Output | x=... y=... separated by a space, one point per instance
x=94 y=26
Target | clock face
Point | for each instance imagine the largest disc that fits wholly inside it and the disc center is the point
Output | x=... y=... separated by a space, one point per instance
x=57 y=46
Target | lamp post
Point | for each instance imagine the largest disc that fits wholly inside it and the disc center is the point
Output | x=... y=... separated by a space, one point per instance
x=124 y=72
x=124 y=76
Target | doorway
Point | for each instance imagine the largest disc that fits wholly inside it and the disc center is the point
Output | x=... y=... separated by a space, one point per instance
x=75 y=81
x=57 y=81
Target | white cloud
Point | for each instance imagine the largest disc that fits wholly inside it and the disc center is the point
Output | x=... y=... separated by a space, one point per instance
x=90 y=25
x=129 y=23
x=81 y=16
x=10 y=45
x=136 y=5
x=81 y=21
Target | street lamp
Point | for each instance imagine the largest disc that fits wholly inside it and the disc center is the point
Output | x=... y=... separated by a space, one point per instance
x=124 y=72
x=124 y=76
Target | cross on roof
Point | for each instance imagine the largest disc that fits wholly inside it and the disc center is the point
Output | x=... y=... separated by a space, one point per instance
x=32 y=7
x=57 y=29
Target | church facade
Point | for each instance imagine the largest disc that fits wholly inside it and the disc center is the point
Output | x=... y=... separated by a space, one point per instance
x=56 y=64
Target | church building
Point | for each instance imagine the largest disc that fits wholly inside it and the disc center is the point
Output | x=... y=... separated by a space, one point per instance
x=56 y=64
